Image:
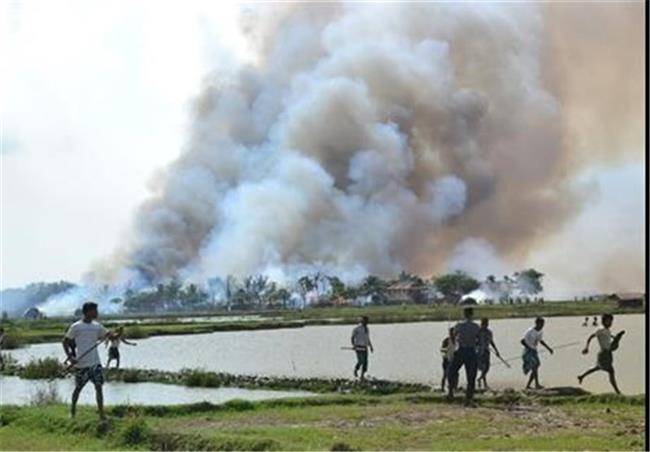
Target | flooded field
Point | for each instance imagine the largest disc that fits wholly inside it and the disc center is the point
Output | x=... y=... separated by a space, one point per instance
x=404 y=351
x=16 y=391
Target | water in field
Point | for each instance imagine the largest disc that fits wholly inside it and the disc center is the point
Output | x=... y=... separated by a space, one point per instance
x=403 y=351
x=16 y=391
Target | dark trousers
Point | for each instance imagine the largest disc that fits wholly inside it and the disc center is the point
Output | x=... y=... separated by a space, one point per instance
x=362 y=361
x=464 y=356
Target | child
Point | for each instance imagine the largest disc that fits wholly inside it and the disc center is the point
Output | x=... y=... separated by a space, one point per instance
x=114 y=340
x=447 y=349
x=531 y=361
x=607 y=344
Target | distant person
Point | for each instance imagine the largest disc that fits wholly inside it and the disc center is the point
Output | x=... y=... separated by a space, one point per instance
x=586 y=322
x=595 y=322
x=605 y=359
x=531 y=361
x=361 y=343
x=114 y=340
x=467 y=339
x=447 y=349
x=2 y=339
x=485 y=340
x=80 y=345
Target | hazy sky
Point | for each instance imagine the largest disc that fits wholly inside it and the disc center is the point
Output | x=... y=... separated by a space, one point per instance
x=94 y=101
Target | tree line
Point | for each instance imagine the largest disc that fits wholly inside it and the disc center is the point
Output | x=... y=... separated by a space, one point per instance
x=318 y=289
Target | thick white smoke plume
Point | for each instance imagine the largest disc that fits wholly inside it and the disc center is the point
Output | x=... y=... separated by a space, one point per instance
x=361 y=139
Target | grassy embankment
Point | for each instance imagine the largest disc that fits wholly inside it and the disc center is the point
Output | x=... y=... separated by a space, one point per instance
x=48 y=330
x=339 y=422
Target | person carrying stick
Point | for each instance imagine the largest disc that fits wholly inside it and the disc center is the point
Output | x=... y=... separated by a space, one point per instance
x=485 y=341
x=530 y=357
x=361 y=343
x=80 y=345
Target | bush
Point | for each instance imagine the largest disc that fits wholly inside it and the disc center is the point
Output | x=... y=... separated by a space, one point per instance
x=135 y=332
x=11 y=341
x=48 y=395
x=200 y=378
x=130 y=376
x=134 y=431
x=42 y=368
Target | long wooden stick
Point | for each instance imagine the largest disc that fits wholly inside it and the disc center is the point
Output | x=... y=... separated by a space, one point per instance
x=570 y=344
x=82 y=355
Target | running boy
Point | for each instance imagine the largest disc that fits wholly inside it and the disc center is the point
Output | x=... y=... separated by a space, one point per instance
x=605 y=360
x=531 y=361
x=85 y=335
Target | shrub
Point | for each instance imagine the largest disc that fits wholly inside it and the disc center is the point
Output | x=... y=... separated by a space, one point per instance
x=200 y=378
x=134 y=431
x=131 y=376
x=42 y=368
x=135 y=332
x=48 y=395
x=11 y=341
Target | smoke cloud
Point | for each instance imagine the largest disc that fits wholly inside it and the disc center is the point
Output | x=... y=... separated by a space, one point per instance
x=370 y=139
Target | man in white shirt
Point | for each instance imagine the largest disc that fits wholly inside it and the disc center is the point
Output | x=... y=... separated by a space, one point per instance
x=531 y=361
x=80 y=345
x=361 y=343
x=605 y=359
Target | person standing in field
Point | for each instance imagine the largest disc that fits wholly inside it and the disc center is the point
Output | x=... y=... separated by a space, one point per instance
x=595 y=322
x=447 y=350
x=605 y=359
x=531 y=362
x=114 y=341
x=361 y=343
x=485 y=340
x=2 y=339
x=80 y=345
x=586 y=322
x=467 y=339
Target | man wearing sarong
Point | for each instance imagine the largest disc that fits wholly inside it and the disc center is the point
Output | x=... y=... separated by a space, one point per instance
x=531 y=362
x=361 y=343
x=605 y=359
x=485 y=340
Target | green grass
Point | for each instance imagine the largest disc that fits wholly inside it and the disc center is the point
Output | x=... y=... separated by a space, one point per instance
x=341 y=422
x=49 y=330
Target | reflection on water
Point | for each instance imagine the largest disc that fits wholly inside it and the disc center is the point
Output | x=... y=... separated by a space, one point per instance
x=16 y=391
x=404 y=351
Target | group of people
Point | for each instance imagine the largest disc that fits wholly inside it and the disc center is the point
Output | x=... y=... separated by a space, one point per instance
x=469 y=345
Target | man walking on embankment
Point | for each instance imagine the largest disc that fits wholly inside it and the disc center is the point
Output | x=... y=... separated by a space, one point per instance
x=80 y=345
x=361 y=343
x=466 y=333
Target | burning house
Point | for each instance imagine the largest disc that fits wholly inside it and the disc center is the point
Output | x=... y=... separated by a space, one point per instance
x=628 y=300
x=407 y=292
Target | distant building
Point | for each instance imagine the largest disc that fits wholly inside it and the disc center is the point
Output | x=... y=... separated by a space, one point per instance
x=407 y=292
x=33 y=314
x=628 y=300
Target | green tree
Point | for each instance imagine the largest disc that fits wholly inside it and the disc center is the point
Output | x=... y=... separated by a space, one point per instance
x=454 y=285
